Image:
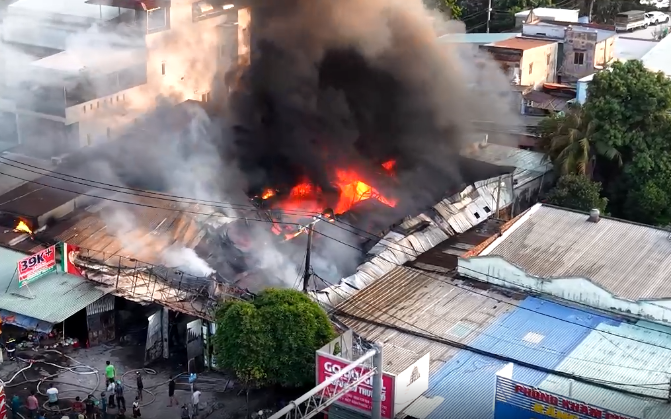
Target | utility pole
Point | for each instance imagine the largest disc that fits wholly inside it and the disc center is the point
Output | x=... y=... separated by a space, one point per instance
x=489 y=14
x=306 y=272
x=376 y=411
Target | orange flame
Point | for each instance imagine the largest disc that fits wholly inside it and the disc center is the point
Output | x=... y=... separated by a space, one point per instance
x=23 y=227
x=389 y=165
x=307 y=197
x=268 y=193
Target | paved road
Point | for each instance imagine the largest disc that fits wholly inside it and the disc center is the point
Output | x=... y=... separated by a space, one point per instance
x=648 y=33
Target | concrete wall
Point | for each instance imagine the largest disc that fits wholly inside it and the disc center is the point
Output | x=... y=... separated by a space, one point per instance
x=604 y=52
x=496 y=270
x=581 y=43
x=539 y=65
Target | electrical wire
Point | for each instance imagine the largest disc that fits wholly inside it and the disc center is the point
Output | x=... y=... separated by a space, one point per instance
x=413 y=255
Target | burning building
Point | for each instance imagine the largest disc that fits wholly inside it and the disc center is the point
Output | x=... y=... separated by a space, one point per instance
x=341 y=119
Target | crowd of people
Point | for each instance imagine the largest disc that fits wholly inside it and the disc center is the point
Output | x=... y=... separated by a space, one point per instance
x=111 y=399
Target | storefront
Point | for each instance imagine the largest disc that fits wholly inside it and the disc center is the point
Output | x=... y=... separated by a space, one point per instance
x=100 y=321
x=515 y=400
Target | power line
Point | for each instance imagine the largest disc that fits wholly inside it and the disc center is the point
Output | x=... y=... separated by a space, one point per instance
x=323 y=234
x=432 y=337
x=505 y=302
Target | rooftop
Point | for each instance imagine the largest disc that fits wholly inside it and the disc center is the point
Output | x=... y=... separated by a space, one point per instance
x=629 y=260
x=441 y=308
x=632 y=48
x=634 y=354
x=475 y=38
x=547 y=12
x=52 y=298
x=536 y=331
x=521 y=44
x=529 y=165
x=659 y=57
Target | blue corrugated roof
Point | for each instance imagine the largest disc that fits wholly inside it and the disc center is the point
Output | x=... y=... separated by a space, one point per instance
x=538 y=331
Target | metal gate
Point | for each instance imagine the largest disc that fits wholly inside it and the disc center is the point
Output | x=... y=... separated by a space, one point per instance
x=157 y=337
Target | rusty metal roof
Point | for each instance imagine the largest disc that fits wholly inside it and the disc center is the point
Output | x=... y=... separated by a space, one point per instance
x=405 y=297
x=521 y=44
x=627 y=259
x=529 y=165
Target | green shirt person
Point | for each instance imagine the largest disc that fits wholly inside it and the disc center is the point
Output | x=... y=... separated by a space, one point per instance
x=110 y=372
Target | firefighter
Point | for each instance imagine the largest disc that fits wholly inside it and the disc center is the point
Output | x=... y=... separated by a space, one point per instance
x=11 y=349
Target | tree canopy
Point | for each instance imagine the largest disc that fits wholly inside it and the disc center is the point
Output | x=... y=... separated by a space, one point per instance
x=578 y=192
x=272 y=339
x=622 y=138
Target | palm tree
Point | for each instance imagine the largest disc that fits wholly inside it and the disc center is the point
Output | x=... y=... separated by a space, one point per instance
x=569 y=142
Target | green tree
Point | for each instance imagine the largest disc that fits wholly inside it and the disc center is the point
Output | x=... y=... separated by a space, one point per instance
x=630 y=107
x=271 y=340
x=577 y=192
x=570 y=144
x=450 y=8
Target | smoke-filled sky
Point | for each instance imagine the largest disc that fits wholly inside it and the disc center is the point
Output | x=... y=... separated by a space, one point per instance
x=329 y=84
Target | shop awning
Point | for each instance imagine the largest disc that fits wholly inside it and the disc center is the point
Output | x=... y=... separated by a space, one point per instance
x=25 y=322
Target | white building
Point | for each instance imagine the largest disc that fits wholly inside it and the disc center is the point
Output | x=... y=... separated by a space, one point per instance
x=77 y=72
x=543 y=13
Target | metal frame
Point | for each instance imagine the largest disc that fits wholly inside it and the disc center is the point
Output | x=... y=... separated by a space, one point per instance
x=326 y=393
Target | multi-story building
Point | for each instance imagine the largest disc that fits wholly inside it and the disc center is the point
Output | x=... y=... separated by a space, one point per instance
x=78 y=72
x=527 y=62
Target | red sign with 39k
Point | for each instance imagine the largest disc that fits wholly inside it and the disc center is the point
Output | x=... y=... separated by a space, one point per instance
x=360 y=397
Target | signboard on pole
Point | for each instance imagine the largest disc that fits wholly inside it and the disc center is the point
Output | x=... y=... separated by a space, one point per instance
x=34 y=266
x=518 y=401
x=361 y=397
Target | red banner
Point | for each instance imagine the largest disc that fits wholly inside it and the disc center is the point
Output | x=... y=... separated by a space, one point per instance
x=361 y=397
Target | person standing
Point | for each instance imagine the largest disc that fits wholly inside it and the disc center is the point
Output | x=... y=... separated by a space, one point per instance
x=16 y=406
x=171 y=392
x=78 y=406
x=11 y=349
x=136 y=408
x=52 y=395
x=103 y=405
x=140 y=385
x=32 y=405
x=195 y=400
x=110 y=389
x=110 y=372
x=120 y=399
x=90 y=406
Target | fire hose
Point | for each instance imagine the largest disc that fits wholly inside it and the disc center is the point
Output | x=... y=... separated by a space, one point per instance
x=78 y=369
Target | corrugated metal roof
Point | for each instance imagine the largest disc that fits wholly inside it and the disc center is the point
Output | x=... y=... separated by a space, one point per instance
x=630 y=260
x=406 y=297
x=454 y=215
x=659 y=57
x=638 y=358
x=538 y=331
x=529 y=164
x=52 y=298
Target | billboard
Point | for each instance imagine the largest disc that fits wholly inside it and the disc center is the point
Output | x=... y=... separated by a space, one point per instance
x=518 y=401
x=361 y=397
x=34 y=266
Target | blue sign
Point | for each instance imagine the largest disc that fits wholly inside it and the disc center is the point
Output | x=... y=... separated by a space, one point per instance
x=518 y=401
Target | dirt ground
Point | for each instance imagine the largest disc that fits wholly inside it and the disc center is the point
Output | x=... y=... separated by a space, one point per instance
x=219 y=399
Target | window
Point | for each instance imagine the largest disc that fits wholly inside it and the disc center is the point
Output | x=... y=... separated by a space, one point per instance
x=84 y=108
x=579 y=58
x=204 y=10
x=91 y=106
x=117 y=98
x=548 y=60
x=477 y=216
x=97 y=105
x=531 y=68
x=123 y=97
x=158 y=19
x=487 y=209
x=163 y=69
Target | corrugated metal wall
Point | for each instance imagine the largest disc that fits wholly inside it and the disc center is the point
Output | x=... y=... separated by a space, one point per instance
x=104 y=304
